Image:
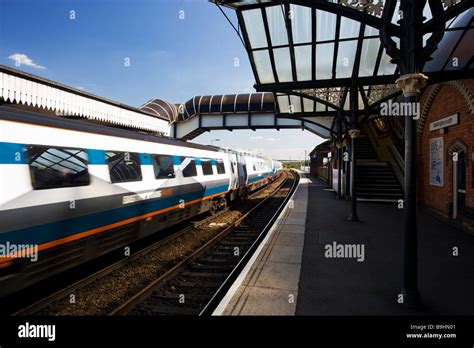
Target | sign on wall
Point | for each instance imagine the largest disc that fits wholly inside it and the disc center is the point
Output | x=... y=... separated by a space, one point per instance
x=436 y=162
x=444 y=122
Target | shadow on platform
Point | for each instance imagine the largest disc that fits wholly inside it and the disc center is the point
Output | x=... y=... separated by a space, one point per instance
x=344 y=286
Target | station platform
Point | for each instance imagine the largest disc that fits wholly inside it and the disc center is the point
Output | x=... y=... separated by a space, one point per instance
x=293 y=273
x=269 y=283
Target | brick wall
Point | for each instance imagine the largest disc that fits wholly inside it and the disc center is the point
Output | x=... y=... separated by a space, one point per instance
x=447 y=102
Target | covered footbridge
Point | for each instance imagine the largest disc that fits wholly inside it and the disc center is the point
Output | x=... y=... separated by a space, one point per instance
x=240 y=111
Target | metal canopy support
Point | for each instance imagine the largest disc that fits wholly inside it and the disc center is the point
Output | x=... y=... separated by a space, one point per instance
x=410 y=59
x=353 y=132
x=339 y=155
x=410 y=44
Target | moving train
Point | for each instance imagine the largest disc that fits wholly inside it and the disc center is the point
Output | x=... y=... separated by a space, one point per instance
x=72 y=190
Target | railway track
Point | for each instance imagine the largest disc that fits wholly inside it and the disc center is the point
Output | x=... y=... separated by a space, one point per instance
x=196 y=285
x=43 y=306
x=96 y=276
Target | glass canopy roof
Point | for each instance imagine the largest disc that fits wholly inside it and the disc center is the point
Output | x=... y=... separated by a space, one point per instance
x=330 y=54
x=308 y=52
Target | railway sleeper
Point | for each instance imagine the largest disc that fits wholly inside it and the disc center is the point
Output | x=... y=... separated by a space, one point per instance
x=242 y=237
x=203 y=275
x=206 y=284
x=215 y=268
x=222 y=247
x=175 y=298
x=228 y=253
x=165 y=309
x=242 y=234
x=247 y=230
x=213 y=260
x=236 y=242
x=192 y=288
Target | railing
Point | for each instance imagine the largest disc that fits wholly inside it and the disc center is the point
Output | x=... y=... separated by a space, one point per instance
x=387 y=144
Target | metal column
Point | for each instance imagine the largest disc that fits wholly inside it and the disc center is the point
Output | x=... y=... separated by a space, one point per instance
x=410 y=83
x=353 y=132
x=339 y=156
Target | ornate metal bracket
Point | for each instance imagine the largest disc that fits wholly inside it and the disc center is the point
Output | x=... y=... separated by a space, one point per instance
x=367 y=6
x=411 y=84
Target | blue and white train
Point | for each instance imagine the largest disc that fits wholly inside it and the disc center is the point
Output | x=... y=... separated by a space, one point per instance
x=72 y=190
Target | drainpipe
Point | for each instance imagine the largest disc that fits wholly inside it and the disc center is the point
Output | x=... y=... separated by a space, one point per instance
x=455 y=190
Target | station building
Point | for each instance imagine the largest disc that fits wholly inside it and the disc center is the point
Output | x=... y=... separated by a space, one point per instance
x=445 y=128
x=320 y=157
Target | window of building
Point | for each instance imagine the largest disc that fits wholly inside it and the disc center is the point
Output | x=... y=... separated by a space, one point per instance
x=54 y=167
x=123 y=166
x=206 y=165
x=220 y=167
x=188 y=167
x=163 y=166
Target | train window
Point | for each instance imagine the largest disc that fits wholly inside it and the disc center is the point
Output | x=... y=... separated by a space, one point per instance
x=206 y=165
x=54 y=167
x=123 y=166
x=188 y=167
x=220 y=167
x=163 y=166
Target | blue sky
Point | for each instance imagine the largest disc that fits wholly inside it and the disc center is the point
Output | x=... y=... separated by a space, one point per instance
x=171 y=58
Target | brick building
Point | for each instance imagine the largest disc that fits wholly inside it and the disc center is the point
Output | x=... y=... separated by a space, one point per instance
x=446 y=127
x=320 y=161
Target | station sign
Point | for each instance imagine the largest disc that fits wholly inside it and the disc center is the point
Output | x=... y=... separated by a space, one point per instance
x=444 y=122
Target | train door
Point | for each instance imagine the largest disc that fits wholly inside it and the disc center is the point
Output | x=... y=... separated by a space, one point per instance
x=242 y=170
x=234 y=178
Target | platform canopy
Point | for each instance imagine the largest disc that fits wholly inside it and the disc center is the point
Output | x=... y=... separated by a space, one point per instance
x=311 y=53
x=21 y=89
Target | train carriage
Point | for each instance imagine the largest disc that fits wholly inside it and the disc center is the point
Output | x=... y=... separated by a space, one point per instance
x=78 y=190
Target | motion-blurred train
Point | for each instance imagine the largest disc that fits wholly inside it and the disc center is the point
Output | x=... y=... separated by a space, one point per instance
x=72 y=190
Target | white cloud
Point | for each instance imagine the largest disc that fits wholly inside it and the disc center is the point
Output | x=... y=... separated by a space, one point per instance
x=23 y=59
x=80 y=87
